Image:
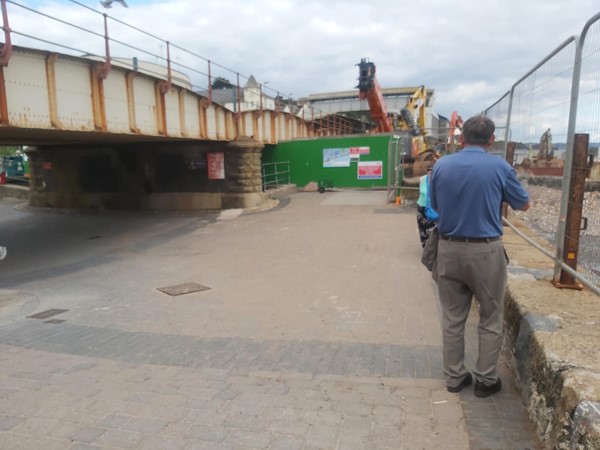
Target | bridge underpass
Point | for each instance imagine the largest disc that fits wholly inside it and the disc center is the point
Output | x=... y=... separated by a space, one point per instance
x=103 y=135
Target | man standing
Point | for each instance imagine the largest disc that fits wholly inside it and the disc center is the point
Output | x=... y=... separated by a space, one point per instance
x=467 y=190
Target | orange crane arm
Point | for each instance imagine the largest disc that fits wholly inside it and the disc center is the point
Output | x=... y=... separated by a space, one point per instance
x=369 y=89
x=455 y=122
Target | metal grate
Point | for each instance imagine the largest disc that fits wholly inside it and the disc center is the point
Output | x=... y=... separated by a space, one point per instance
x=185 y=288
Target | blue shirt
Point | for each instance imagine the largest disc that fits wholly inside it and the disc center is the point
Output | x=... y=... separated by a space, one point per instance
x=467 y=190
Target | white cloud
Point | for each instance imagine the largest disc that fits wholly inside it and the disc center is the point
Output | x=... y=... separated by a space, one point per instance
x=470 y=52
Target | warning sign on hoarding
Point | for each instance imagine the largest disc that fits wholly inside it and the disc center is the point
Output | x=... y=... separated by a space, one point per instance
x=370 y=170
x=359 y=151
x=216 y=166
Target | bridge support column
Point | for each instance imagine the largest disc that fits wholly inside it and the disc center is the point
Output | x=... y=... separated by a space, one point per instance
x=243 y=174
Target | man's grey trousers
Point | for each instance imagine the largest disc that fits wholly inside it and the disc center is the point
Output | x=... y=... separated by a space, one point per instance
x=466 y=270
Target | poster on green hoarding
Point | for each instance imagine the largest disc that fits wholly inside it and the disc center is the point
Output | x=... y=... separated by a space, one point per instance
x=336 y=157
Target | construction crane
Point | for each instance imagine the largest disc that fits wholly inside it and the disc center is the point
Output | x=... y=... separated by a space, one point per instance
x=411 y=118
x=369 y=89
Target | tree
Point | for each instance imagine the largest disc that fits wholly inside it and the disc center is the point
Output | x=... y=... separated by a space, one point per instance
x=222 y=83
x=9 y=150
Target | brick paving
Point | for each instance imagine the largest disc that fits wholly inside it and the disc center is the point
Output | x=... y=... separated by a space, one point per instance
x=320 y=331
x=238 y=354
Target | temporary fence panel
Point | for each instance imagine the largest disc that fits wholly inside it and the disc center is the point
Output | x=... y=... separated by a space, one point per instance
x=498 y=112
x=586 y=120
x=557 y=100
x=538 y=109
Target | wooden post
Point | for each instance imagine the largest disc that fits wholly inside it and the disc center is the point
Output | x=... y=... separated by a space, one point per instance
x=574 y=210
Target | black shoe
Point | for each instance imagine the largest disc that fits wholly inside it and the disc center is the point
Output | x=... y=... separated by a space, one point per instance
x=481 y=390
x=464 y=383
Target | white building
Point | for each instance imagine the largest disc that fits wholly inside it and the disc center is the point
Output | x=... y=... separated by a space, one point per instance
x=348 y=103
x=250 y=97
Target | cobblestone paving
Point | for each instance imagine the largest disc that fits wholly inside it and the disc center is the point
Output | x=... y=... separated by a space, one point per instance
x=114 y=404
x=336 y=349
x=332 y=358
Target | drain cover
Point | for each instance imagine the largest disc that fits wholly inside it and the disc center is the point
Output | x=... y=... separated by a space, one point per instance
x=47 y=313
x=185 y=288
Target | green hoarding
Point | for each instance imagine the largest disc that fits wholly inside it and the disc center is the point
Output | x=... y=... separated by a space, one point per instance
x=344 y=162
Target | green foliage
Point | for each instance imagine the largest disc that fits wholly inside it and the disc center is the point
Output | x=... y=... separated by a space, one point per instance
x=9 y=150
x=222 y=83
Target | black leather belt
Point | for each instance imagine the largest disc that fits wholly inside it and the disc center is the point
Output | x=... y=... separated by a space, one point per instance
x=467 y=240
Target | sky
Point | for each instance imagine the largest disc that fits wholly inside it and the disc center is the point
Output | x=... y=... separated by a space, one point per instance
x=469 y=51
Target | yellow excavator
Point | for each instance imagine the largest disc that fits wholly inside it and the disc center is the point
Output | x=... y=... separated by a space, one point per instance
x=412 y=116
x=412 y=120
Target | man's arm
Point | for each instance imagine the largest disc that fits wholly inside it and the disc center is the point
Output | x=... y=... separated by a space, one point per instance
x=514 y=193
x=526 y=206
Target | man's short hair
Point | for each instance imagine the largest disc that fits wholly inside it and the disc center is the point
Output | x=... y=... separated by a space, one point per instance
x=478 y=130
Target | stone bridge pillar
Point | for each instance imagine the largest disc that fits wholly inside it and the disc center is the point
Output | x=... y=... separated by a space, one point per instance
x=243 y=174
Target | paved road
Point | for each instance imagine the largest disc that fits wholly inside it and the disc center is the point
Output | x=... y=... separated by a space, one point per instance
x=313 y=326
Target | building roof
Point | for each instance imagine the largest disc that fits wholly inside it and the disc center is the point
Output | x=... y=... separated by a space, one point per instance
x=223 y=96
x=252 y=83
x=230 y=95
x=386 y=92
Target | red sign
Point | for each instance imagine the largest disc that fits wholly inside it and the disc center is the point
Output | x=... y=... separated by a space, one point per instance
x=370 y=170
x=359 y=151
x=216 y=166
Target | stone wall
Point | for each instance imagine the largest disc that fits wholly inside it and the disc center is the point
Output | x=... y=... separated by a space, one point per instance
x=13 y=191
x=552 y=340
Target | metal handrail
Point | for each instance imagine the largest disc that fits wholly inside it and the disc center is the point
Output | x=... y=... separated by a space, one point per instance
x=268 y=181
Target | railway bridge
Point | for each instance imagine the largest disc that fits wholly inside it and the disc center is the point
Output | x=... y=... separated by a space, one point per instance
x=104 y=135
